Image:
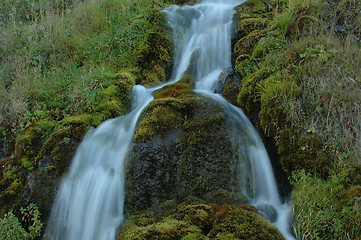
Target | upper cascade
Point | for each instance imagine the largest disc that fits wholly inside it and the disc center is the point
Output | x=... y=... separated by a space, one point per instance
x=89 y=203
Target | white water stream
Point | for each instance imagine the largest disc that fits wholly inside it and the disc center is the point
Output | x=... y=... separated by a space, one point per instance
x=89 y=203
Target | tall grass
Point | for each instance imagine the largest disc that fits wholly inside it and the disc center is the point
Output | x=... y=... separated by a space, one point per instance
x=56 y=56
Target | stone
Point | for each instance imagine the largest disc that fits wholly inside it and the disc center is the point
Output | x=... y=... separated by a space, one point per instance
x=224 y=77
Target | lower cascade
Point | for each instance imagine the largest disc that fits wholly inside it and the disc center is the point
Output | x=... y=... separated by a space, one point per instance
x=90 y=200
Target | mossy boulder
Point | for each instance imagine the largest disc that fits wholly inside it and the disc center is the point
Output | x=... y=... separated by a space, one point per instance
x=197 y=220
x=181 y=148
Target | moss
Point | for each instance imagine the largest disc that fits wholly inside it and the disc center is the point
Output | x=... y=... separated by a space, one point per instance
x=158 y=121
x=181 y=148
x=242 y=222
x=246 y=44
x=258 y=6
x=231 y=91
x=247 y=25
x=245 y=65
x=197 y=215
x=167 y=112
x=155 y=56
x=303 y=150
x=167 y=229
x=12 y=187
x=29 y=143
x=248 y=98
x=192 y=220
x=115 y=100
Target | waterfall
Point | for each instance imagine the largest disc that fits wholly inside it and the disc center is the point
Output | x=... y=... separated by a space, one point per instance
x=89 y=202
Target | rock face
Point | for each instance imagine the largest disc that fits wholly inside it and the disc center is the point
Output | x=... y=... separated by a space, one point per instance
x=226 y=75
x=183 y=151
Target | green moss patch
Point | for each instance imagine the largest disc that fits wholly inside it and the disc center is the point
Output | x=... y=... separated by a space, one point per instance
x=171 y=107
x=195 y=220
x=308 y=152
x=155 y=55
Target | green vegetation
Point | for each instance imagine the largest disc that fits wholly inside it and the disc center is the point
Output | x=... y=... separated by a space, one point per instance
x=299 y=62
x=59 y=58
x=65 y=67
x=327 y=209
x=29 y=228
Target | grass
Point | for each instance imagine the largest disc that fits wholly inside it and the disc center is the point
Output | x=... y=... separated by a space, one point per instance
x=66 y=66
x=309 y=103
x=56 y=56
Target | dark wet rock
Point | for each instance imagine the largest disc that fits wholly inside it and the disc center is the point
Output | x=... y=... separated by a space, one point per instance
x=189 y=154
x=43 y=183
x=224 y=77
x=268 y=212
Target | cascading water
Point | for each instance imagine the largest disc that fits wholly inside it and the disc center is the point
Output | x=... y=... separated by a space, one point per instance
x=209 y=35
x=89 y=203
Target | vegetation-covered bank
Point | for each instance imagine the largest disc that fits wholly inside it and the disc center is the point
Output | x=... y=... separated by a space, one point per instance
x=299 y=63
x=66 y=66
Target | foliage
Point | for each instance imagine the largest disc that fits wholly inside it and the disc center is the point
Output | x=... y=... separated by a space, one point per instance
x=308 y=102
x=67 y=66
x=326 y=209
x=29 y=227
x=57 y=57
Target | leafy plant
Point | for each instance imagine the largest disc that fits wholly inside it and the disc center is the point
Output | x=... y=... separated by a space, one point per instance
x=29 y=227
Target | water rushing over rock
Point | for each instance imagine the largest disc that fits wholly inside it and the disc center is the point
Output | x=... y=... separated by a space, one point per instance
x=89 y=203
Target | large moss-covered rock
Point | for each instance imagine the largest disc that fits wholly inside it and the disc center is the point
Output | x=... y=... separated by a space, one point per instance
x=181 y=148
x=194 y=219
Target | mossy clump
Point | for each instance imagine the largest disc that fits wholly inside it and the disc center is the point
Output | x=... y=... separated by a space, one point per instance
x=168 y=229
x=242 y=222
x=12 y=184
x=168 y=111
x=155 y=56
x=248 y=98
x=307 y=151
x=246 y=44
x=231 y=91
x=257 y=6
x=30 y=142
x=114 y=101
x=194 y=220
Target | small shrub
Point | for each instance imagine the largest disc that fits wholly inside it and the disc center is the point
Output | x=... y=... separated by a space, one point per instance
x=29 y=228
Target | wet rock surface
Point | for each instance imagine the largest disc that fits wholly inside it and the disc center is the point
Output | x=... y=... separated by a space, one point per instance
x=195 y=159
